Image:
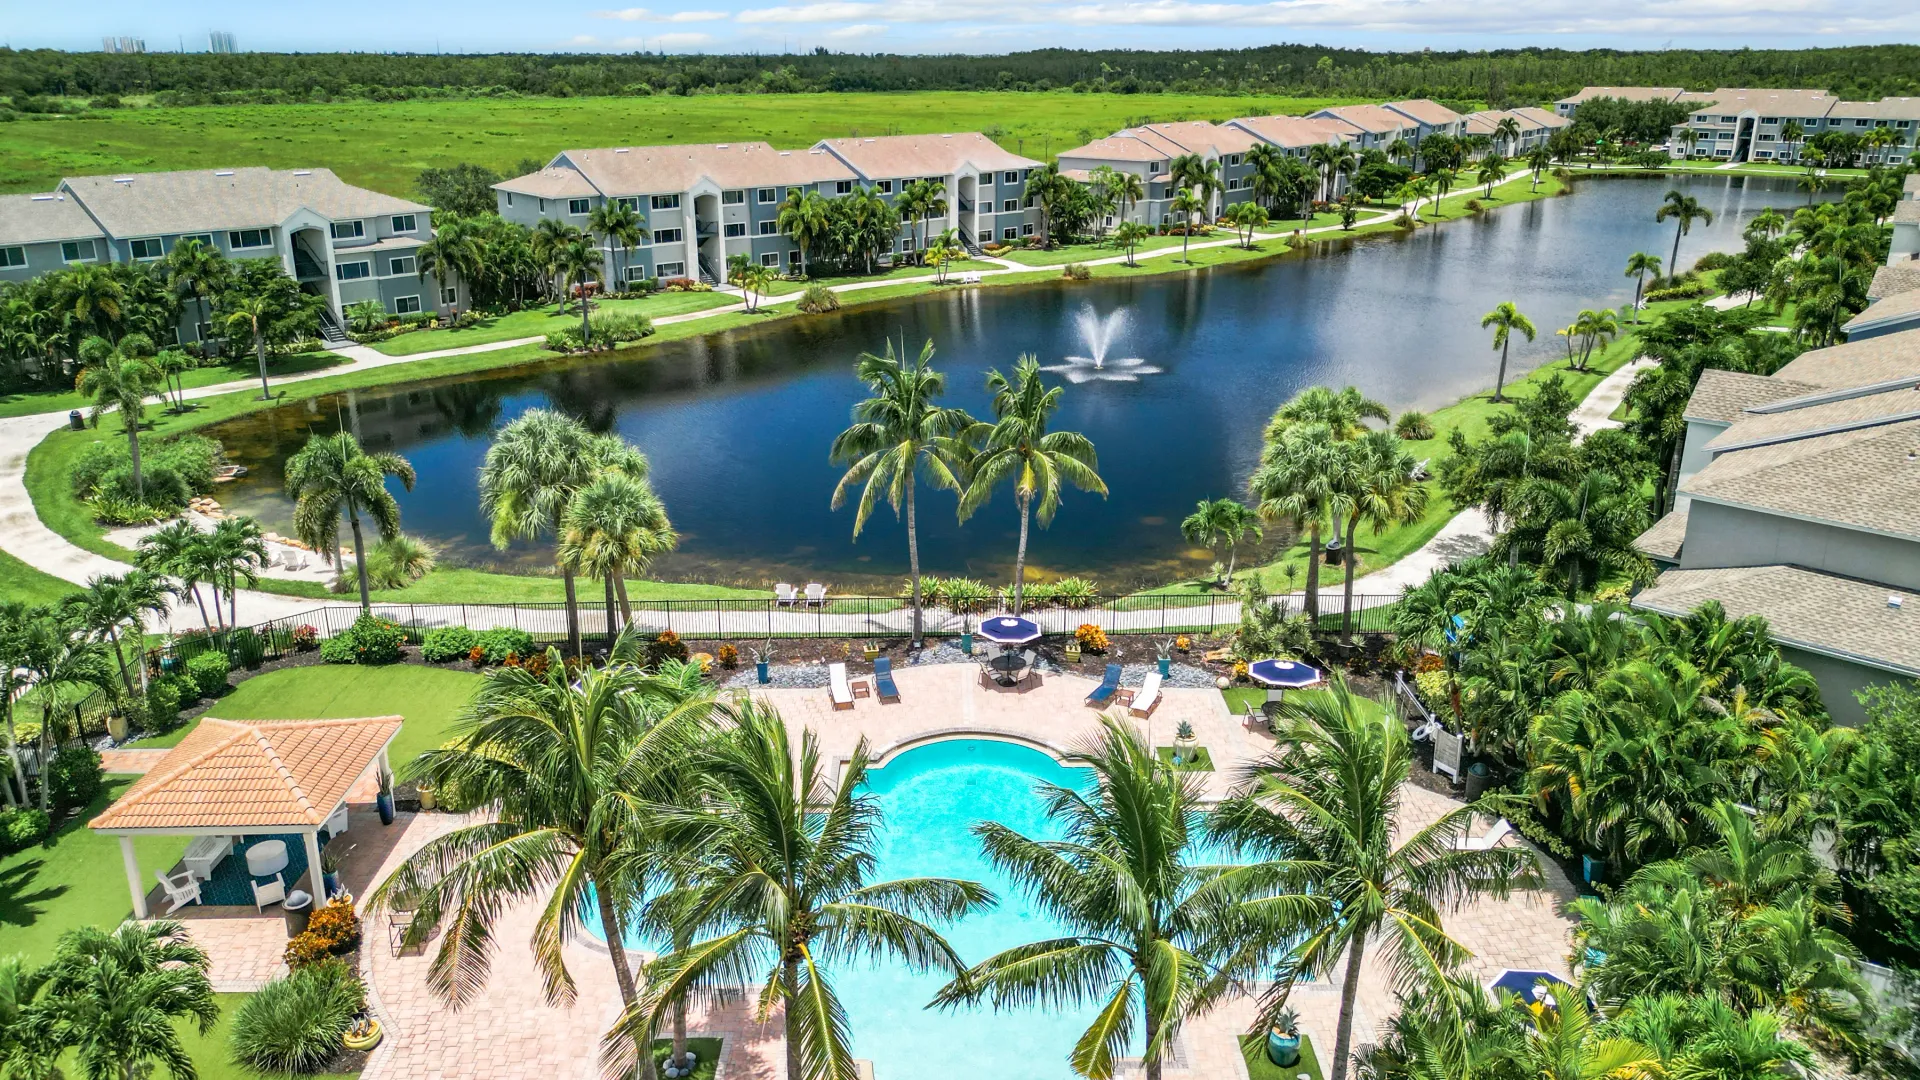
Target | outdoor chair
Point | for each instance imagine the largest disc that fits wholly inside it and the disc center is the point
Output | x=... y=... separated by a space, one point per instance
x=181 y=889
x=883 y=679
x=1029 y=665
x=204 y=853
x=1487 y=842
x=783 y=595
x=1255 y=718
x=817 y=595
x=838 y=686
x=1147 y=697
x=273 y=892
x=399 y=920
x=1109 y=683
x=337 y=821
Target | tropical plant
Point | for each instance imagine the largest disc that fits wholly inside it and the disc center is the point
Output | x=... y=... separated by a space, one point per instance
x=1594 y=328
x=579 y=263
x=1245 y=217
x=614 y=526
x=1186 y=203
x=173 y=550
x=332 y=475
x=899 y=433
x=1217 y=522
x=293 y=1024
x=1380 y=489
x=121 y=376
x=1129 y=234
x=1684 y=210
x=623 y=226
x=1639 y=265
x=1506 y=321
x=400 y=561
x=818 y=299
x=751 y=278
x=117 y=1000
x=803 y=218
x=253 y=313
x=1493 y=169
x=452 y=252
x=1300 y=479
x=1017 y=447
x=112 y=604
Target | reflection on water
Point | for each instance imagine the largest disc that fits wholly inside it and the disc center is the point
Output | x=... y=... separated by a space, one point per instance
x=737 y=424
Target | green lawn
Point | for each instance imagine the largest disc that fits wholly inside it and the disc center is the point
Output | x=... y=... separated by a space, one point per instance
x=212 y=1053
x=1254 y=1047
x=239 y=367
x=427 y=699
x=540 y=321
x=783 y=286
x=23 y=583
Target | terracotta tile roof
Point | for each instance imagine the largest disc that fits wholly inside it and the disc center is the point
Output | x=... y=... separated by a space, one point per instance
x=1199 y=137
x=1861 y=478
x=1724 y=395
x=1663 y=540
x=1858 y=363
x=1889 y=280
x=229 y=774
x=1822 y=613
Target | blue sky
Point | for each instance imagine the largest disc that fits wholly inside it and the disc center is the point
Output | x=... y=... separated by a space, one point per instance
x=973 y=26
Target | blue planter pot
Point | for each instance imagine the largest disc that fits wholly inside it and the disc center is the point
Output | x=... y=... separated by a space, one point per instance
x=384 y=801
x=966 y=643
x=332 y=883
x=1283 y=1050
x=1166 y=666
x=760 y=670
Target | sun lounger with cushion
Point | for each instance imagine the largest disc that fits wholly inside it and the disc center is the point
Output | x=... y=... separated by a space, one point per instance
x=1485 y=843
x=883 y=679
x=1108 y=684
x=1148 y=696
x=839 y=687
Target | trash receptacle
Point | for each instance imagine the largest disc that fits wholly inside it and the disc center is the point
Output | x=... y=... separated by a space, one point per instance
x=297 y=908
x=1479 y=779
x=76 y=421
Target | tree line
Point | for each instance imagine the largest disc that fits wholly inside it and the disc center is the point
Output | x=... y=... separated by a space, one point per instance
x=1502 y=77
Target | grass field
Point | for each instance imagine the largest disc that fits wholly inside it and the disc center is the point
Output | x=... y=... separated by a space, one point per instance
x=237 y=367
x=385 y=145
x=542 y=320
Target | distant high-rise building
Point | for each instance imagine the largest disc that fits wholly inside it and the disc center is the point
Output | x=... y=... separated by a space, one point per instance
x=123 y=45
x=220 y=41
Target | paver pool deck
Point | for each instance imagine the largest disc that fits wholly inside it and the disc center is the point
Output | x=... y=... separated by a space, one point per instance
x=509 y=1031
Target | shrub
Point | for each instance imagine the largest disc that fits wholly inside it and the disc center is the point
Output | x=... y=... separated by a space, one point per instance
x=306 y=638
x=1413 y=425
x=567 y=340
x=1077 y=272
x=209 y=673
x=728 y=656
x=496 y=645
x=370 y=640
x=294 y=1024
x=1713 y=260
x=1091 y=638
x=247 y=647
x=336 y=926
x=685 y=284
x=1474 y=206
x=172 y=471
x=446 y=644
x=74 y=777
x=1692 y=290
x=614 y=327
x=21 y=827
x=1404 y=221
x=667 y=646
x=818 y=300
x=1075 y=592
x=399 y=562
x=163 y=704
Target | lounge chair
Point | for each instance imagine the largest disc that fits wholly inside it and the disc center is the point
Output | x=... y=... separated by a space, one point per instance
x=181 y=889
x=883 y=679
x=784 y=595
x=273 y=892
x=1485 y=843
x=1148 y=696
x=838 y=686
x=1109 y=683
x=817 y=595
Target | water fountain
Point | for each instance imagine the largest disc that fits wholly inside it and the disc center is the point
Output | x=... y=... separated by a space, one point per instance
x=1099 y=334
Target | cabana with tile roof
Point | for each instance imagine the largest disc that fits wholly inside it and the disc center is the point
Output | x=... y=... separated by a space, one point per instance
x=248 y=778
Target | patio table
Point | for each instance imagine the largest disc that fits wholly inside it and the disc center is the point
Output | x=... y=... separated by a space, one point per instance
x=267 y=858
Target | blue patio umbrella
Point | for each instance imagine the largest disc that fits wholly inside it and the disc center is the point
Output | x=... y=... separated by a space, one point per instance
x=1526 y=984
x=1283 y=674
x=1006 y=630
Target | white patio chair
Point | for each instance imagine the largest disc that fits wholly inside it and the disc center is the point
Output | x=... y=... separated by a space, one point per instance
x=784 y=595
x=273 y=892
x=1147 y=697
x=181 y=889
x=817 y=595
x=337 y=821
x=1485 y=843
x=838 y=687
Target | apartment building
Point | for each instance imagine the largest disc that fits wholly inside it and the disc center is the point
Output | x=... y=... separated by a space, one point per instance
x=1148 y=152
x=1736 y=124
x=1536 y=127
x=1567 y=106
x=705 y=203
x=343 y=243
x=1795 y=502
x=1906 y=224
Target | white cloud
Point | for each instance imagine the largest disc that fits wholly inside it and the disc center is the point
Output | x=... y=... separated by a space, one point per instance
x=679 y=41
x=583 y=39
x=632 y=14
x=857 y=30
x=697 y=16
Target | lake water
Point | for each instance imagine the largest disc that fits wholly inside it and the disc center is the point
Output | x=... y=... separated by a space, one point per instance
x=737 y=424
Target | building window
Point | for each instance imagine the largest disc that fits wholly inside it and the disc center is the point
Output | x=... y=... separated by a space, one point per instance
x=906 y=245
x=885 y=187
x=1010 y=205
x=12 y=258
x=736 y=228
x=733 y=198
x=768 y=195
x=1769 y=119
x=770 y=259
x=204 y=239
x=509 y=198
x=1010 y=178
x=249 y=238
x=906 y=214
x=406 y=305
x=793 y=256
x=1026 y=230
x=842 y=187
x=579 y=207
x=77 y=251
x=670 y=270
x=402 y=265
x=146 y=248
x=636 y=273
x=1766 y=137
x=986 y=179
x=1234 y=160
x=450 y=295
x=352 y=271
x=1763 y=154
x=1729 y=119
x=1859 y=123
x=1233 y=185
x=769 y=228
x=667 y=236
x=404 y=223
x=349 y=230
x=664 y=202
x=1009 y=234
x=630 y=202
x=1726 y=135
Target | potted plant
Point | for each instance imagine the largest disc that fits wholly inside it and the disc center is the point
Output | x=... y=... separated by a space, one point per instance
x=871 y=651
x=363 y=1034
x=1183 y=743
x=1283 y=1039
x=384 y=800
x=1164 y=649
x=427 y=800
x=761 y=659
x=966 y=637
x=330 y=860
x=1073 y=651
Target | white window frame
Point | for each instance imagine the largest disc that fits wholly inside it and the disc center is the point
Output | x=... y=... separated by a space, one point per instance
x=204 y=238
x=92 y=255
x=636 y=273
x=585 y=207
x=885 y=187
x=1009 y=206
x=906 y=246
x=450 y=295
x=770 y=260
x=12 y=257
x=394 y=269
x=355 y=229
x=664 y=202
x=1009 y=177
x=340 y=268
x=769 y=228
x=843 y=187
x=133 y=248
x=734 y=197
x=400 y=305
x=411 y=223
x=986 y=179
x=237 y=239
x=631 y=202
x=793 y=256
x=1009 y=234
x=1026 y=230
x=669 y=236
x=669 y=270
x=735 y=229
x=767 y=195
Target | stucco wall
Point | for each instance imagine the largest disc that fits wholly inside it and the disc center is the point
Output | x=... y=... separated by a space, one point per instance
x=1729 y=536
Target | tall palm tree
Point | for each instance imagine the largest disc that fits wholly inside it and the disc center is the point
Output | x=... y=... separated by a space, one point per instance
x=549 y=237
x=453 y=252
x=622 y=226
x=897 y=434
x=1493 y=169
x=1301 y=479
x=612 y=529
x=803 y=219
x=579 y=263
x=1129 y=190
x=1684 y=210
x=1595 y=329
x=197 y=270
x=1221 y=521
x=113 y=603
x=253 y=313
x=1507 y=133
x=1399 y=149
x=234 y=552
x=570 y=764
x=1152 y=936
x=58 y=654
x=1186 y=203
x=785 y=895
x=1506 y=321
x=332 y=475
x=1018 y=447
x=173 y=550
x=1538 y=159
x=121 y=376
x=93 y=298
x=1791 y=133
x=1129 y=234
x=1639 y=265
x=1345 y=411
x=1380 y=490
x=115 y=999
x=1320 y=811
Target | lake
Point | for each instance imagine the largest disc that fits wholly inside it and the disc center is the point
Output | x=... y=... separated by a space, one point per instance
x=737 y=423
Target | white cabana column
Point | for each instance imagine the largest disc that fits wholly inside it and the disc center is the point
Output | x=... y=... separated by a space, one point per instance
x=134 y=886
x=314 y=875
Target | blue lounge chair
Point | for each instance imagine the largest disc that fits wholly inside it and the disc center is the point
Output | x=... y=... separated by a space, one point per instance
x=1110 y=683
x=883 y=679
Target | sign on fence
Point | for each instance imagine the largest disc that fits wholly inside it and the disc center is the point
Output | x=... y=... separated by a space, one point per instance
x=1446 y=753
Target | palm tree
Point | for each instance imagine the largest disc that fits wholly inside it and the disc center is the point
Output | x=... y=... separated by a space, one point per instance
x=1538 y=159
x=1639 y=265
x=1045 y=186
x=1301 y=479
x=579 y=264
x=1186 y=204
x=549 y=236
x=570 y=764
x=1767 y=223
x=1221 y=521
x=941 y=250
x=452 y=252
x=1791 y=133
x=58 y=655
x=115 y=999
x=1562 y=1044
x=613 y=528
x=1152 y=937
x=332 y=475
x=923 y=199
x=1595 y=328
x=1321 y=811
x=1128 y=234
x=253 y=313
x=233 y=553
x=1685 y=210
x=93 y=298
x=1017 y=446
x=174 y=551
x=121 y=376
x=1493 y=169
x=803 y=219
x=112 y=603
x=195 y=269
x=1345 y=411
x=1399 y=148
x=897 y=434
x=1506 y=320
x=174 y=363
x=621 y=225
x=1380 y=490
x=1507 y=132
x=784 y=892
x=1129 y=190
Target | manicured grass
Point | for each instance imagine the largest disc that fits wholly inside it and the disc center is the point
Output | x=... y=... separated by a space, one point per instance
x=454 y=585
x=22 y=583
x=784 y=287
x=1103 y=249
x=539 y=321
x=706 y=1053
x=428 y=698
x=238 y=367
x=1254 y=1048
x=384 y=145
x=1202 y=759
x=212 y=1053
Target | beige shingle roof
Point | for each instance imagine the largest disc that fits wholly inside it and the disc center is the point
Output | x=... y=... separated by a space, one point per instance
x=1624 y=93
x=1377 y=119
x=556 y=182
x=1768 y=102
x=228 y=774
x=1724 y=395
x=1425 y=111
x=1541 y=116
x=1887 y=108
x=36 y=219
x=1121 y=147
x=1911 y=189
x=886 y=156
x=1861 y=478
x=1292 y=132
x=141 y=204
x=1200 y=137
x=1895 y=279
x=1858 y=363
x=1822 y=613
x=1867 y=410
x=640 y=170
x=1906 y=212
x=1898 y=308
x=1663 y=540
